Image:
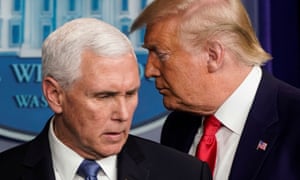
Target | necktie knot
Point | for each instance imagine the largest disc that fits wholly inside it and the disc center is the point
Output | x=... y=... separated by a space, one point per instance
x=88 y=169
x=211 y=126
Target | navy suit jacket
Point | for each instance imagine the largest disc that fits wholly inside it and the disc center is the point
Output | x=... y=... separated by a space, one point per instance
x=274 y=118
x=140 y=159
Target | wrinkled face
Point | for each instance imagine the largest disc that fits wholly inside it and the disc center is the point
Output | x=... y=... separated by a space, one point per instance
x=181 y=74
x=97 y=111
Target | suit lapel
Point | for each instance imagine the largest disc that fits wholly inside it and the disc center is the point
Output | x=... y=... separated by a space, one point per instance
x=179 y=130
x=261 y=125
x=131 y=163
x=38 y=162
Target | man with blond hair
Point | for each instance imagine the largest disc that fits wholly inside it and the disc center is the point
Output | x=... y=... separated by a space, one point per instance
x=227 y=111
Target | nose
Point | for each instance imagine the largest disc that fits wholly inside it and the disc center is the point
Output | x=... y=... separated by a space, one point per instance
x=152 y=68
x=121 y=112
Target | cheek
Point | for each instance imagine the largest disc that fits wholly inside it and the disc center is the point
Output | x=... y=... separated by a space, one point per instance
x=131 y=107
x=134 y=103
x=87 y=116
x=186 y=85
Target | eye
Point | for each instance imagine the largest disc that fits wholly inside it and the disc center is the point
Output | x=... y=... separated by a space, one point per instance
x=105 y=95
x=162 y=56
x=131 y=93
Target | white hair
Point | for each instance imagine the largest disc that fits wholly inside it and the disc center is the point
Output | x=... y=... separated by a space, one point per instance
x=62 y=50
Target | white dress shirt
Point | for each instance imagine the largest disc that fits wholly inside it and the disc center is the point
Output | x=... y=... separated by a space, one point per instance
x=66 y=161
x=233 y=115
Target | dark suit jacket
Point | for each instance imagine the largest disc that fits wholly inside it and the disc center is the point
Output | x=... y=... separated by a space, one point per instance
x=274 y=118
x=140 y=159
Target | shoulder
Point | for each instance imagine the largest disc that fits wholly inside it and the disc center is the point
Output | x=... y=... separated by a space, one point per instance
x=12 y=159
x=14 y=153
x=167 y=158
x=283 y=102
x=288 y=99
x=182 y=120
x=276 y=92
x=283 y=89
x=26 y=151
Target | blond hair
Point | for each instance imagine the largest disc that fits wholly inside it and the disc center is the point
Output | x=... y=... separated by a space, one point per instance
x=201 y=20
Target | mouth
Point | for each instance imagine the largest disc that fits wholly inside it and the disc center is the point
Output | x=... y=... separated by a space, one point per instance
x=114 y=136
x=162 y=91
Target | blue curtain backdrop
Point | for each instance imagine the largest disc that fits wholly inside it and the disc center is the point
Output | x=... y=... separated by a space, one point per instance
x=266 y=29
x=279 y=35
x=277 y=25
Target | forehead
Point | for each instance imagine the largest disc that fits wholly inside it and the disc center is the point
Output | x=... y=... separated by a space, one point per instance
x=92 y=60
x=106 y=69
x=161 y=32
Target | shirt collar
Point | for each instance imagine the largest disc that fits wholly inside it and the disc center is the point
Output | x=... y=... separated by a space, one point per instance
x=66 y=161
x=109 y=166
x=234 y=111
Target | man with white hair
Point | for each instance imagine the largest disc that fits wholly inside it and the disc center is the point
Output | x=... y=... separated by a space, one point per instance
x=91 y=82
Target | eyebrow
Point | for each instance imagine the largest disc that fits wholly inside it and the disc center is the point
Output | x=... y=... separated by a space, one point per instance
x=112 y=93
x=150 y=47
x=133 y=90
x=145 y=46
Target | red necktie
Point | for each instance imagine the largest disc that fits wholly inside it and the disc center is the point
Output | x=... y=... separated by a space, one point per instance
x=207 y=147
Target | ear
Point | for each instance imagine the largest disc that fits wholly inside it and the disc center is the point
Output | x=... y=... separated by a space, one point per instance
x=216 y=55
x=53 y=93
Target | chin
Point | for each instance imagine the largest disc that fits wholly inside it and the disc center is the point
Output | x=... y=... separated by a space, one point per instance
x=169 y=105
x=109 y=151
x=174 y=105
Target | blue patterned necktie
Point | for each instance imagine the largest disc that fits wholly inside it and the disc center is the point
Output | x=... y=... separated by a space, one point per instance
x=88 y=169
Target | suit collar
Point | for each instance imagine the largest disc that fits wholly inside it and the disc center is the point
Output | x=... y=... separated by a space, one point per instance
x=261 y=125
x=234 y=111
x=131 y=164
x=183 y=128
x=38 y=161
